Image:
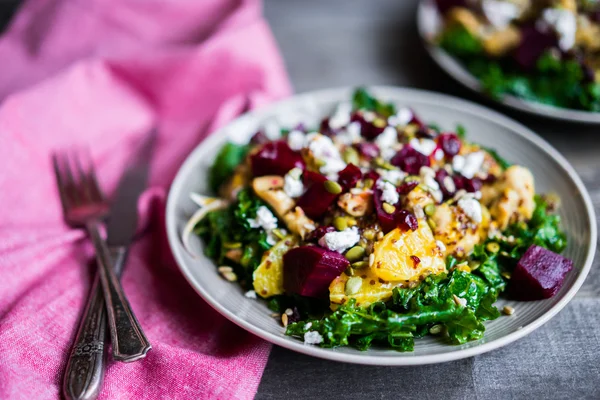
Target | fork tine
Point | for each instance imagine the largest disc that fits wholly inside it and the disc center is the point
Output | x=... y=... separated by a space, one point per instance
x=84 y=185
x=70 y=182
x=95 y=190
x=60 y=182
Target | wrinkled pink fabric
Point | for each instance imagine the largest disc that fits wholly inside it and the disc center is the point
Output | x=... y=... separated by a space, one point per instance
x=102 y=73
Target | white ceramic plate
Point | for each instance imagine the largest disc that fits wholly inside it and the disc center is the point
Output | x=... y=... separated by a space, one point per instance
x=517 y=143
x=429 y=23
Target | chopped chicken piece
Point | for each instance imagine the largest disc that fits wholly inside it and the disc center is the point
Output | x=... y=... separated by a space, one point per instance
x=356 y=205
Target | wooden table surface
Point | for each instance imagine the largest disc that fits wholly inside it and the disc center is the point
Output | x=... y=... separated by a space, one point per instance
x=330 y=43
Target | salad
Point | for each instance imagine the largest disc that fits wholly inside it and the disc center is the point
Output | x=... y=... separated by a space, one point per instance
x=375 y=228
x=545 y=51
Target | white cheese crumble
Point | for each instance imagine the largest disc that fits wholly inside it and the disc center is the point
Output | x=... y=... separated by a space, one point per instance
x=388 y=138
x=293 y=185
x=394 y=176
x=468 y=165
x=312 y=337
x=264 y=219
x=471 y=207
x=369 y=116
x=564 y=23
x=341 y=116
x=389 y=194
x=387 y=153
x=438 y=155
x=323 y=148
x=423 y=146
x=440 y=245
x=499 y=13
x=349 y=135
x=449 y=184
x=402 y=117
x=251 y=294
x=272 y=129
x=428 y=178
x=340 y=241
x=308 y=325
x=296 y=140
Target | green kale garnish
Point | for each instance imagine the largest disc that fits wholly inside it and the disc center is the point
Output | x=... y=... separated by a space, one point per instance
x=410 y=313
x=459 y=41
x=499 y=159
x=230 y=156
x=362 y=100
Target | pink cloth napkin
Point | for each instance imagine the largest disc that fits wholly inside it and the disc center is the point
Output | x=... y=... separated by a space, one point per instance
x=103 y=72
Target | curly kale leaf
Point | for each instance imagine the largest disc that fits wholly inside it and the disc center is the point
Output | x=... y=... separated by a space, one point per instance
x=410 y=314
x=229 y=157
x=362 y=100
x=459 y=41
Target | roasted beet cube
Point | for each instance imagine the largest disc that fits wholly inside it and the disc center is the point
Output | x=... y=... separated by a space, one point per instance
x=533 y=44
x=539 y=274
x=407 y=187
x=406 y=220
x=368 y=129
x=275 y=158
x=449 y=143
x=318 y=233
x=308 y=270
x=316 y=199
x=349 y=176
x=446 y=183
x=367 y=149
x=416 y=120
x=399 y=218
x=410 y=160
x=259 y=138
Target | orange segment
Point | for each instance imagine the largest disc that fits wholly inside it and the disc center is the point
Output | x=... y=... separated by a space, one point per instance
x=268 y=277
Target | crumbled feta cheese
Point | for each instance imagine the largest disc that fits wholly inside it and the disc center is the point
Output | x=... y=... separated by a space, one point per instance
x=369 y=116
x=251 y=294
x=388 y=138
x=419 y=213
x=296 y=140
x=308 y=325
x=272 y=129
x=264 y=219
x=438 y=155
x=388 y=152
x=293 y=185
x=394 y=176
x=564 y=24
x=341 y=116
x=389 y=194
x=499 y=13
x=428 y=178
x=449 y=184
x=340 y=241
x=349 y=135
x=468 y=165
x=402 y=117
x=423 y=146
x=440 y=245
x=471 y=207
x=325 y=150
x=313 y=337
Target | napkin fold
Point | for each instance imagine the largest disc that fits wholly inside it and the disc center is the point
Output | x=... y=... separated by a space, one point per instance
x=102 y=73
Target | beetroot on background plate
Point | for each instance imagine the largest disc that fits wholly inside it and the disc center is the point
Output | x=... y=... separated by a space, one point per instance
x=308 y=270
x=539 y=274
x=316 y=200
x=275 y=158
x=449 y=143
x=533 y=44
x=410 y=160
x=349 y=176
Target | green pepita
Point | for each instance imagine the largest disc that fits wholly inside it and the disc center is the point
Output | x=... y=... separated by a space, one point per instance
x=429 y=209
x=355 y=254
x=353 y=285
x=388 y=208
x=350 y=155
x=333 y=187
x=359 y=264
x=340 y=223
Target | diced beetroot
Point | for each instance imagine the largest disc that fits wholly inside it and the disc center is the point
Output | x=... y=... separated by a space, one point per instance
x=533 y=44
x=539 y=274
x=308 y=270
x=410 y=160
x=275 y=158
x=445 y=5
x=447 y=190
x=470 y=185
x=425 y=133
x=367 y=129
x=400 y=218
x=325 y=129
x=316 y=199
x=367 y=149
x=449 y=143
x=406 y=220
x=349 y=176
x=318 y=233
x=407 y=187
x=416 y=120
x=372 y=174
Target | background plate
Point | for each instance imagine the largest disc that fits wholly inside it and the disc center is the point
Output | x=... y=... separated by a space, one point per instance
x=514 y=141
x=429 y=23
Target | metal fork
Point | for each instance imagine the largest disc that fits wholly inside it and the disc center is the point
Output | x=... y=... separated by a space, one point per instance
x=84 y=206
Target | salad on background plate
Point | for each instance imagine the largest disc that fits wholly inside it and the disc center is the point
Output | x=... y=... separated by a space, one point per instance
x=375 y=228
x=542 y=51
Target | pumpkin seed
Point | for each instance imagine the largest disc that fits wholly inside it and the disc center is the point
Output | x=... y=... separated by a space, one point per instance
x=359 y=265
x=379 y=122
x=368 y=183
x=353 y=285
x=388 y=208
x=369 y=234
x=436 y=329
x=333 y=187
x=508 y=310
x=355 y=254
x=340 y=223
x=429 y=209
x=278 y=233
x=493 y=247
x=431 y=223
x=350 y=155
x=320 y=163
x=232 y=245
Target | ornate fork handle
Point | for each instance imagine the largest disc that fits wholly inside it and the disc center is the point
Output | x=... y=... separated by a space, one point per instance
x=85 y=368
x=127 y=338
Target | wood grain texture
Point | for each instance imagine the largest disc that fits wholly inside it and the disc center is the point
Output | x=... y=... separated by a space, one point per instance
x=352 y=42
